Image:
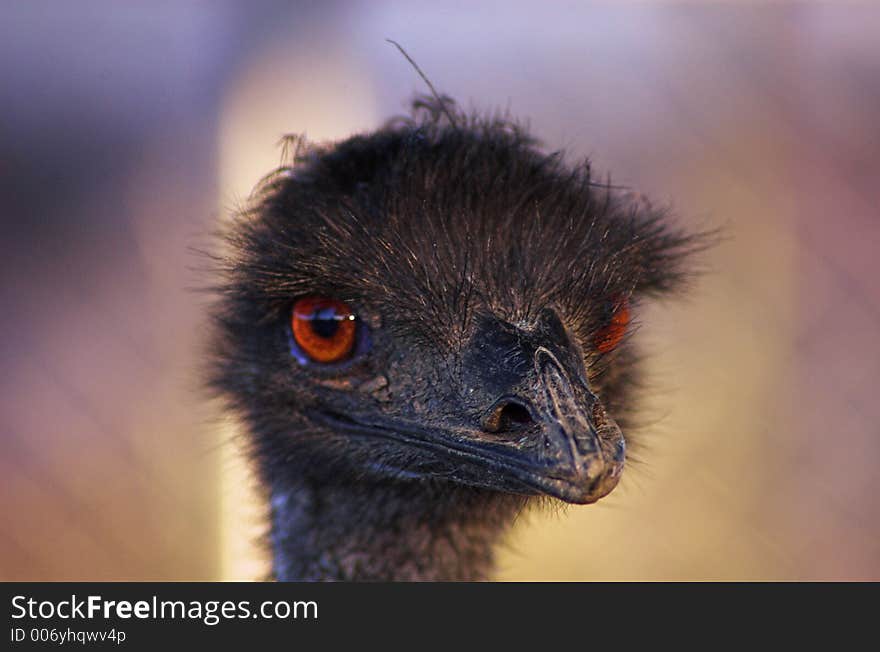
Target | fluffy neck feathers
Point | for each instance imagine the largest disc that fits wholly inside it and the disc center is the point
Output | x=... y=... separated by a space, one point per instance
x=387 y=531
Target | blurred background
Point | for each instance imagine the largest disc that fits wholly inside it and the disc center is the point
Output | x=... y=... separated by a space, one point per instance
x=129 y=130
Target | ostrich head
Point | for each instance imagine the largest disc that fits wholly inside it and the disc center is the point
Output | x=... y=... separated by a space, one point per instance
x=439 y=305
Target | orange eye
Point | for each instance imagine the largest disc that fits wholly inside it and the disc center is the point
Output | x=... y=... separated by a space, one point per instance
x=324 y=329
x=611 y=335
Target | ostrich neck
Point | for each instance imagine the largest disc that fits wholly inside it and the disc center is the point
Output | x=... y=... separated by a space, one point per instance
x=387 y=531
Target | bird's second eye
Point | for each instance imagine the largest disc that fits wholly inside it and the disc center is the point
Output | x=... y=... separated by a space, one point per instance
x=610 y=335
x=324 y=329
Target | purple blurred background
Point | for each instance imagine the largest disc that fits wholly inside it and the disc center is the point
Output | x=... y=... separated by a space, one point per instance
x=129 y=130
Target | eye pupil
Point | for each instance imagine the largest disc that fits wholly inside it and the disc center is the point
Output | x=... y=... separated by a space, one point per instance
x=324 y=329
x=325 y=323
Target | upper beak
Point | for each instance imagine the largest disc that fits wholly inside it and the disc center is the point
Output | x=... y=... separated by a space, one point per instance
x=576 y=451
x=548 y=430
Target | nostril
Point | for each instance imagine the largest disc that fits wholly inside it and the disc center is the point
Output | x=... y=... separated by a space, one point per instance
x=508 y=415
x=515 y=413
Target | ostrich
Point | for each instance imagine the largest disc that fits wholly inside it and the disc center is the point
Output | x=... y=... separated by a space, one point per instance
x=424 y=330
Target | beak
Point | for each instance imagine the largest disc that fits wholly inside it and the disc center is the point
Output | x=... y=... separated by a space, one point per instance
x=539 y=427
x=542 y=425
x=574 y=450
x=548 y=433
